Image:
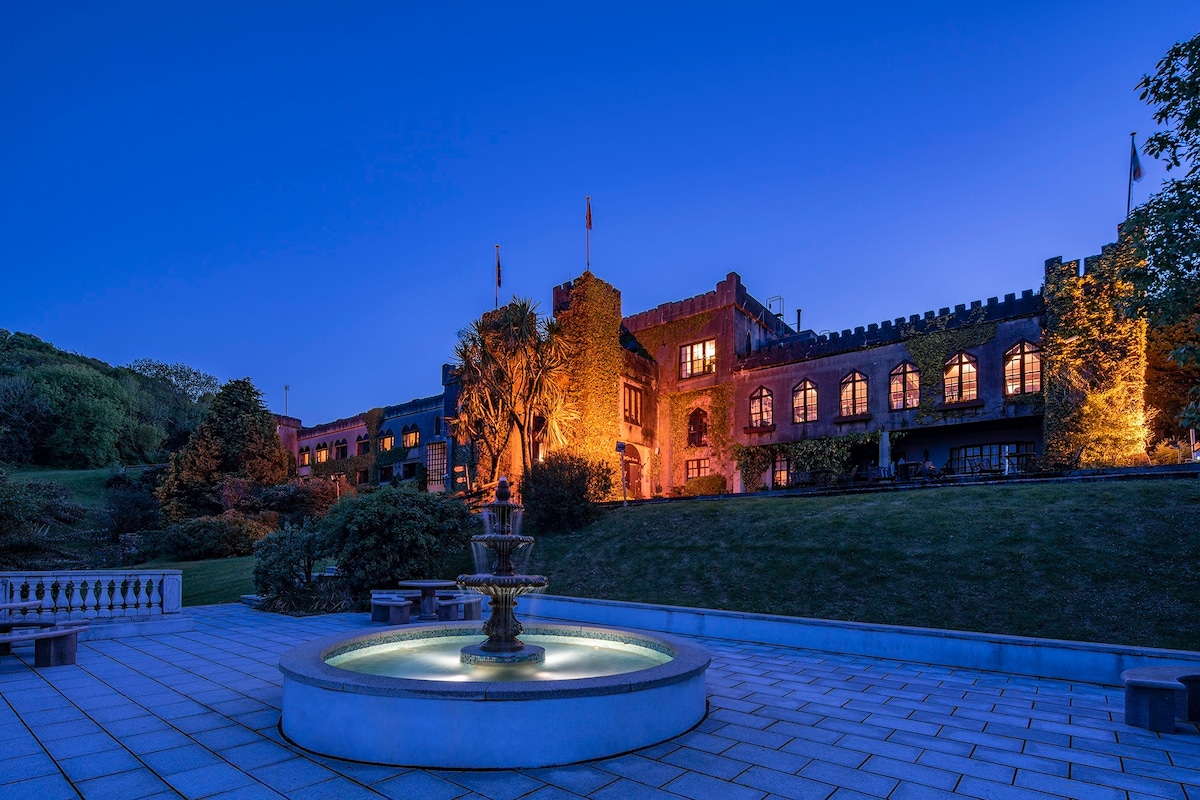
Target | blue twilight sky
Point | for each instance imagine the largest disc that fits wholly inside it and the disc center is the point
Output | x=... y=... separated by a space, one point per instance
x=310 y=194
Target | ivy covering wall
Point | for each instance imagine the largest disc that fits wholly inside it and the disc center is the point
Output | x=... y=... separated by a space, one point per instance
x=830 y=453
x=1094 y=364
x=592 y=327
x=933 y=346
x=716 y=401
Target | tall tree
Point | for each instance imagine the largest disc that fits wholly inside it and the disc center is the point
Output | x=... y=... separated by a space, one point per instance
x=1166 y=228
x=512 y=373
x=236 y=440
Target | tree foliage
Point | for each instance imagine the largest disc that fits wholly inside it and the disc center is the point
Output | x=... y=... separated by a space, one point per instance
x=1166 y=228
x=395 y=534
x=237 y=442
x=512 y=373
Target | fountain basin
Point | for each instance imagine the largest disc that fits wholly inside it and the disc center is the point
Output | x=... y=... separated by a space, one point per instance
x=465 y=722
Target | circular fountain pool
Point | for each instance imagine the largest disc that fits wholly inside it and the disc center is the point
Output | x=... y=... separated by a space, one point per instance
x=403 y=697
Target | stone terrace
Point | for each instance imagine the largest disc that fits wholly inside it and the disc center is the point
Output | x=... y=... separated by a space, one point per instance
x=194 y=715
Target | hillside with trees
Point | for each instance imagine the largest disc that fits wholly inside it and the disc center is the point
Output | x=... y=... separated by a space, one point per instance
x=60 y=409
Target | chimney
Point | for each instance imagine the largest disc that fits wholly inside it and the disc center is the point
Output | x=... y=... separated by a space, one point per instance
x=798 y=325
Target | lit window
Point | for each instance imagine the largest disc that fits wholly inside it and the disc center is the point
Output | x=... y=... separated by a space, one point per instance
x=696 y=468
x=782 y=474
x=854 y=394
x=804 y=402
x=322 y=453
x=697 y=428
x=698 y=358
x=410 y=437
x=1023 y=369
x=762 y=415
x=435 y=462
x=363 y=446
x=340 y=449
x=904 y=387
x=387 y=441
x=304 y=458
x=961 y=383
x=633 y=405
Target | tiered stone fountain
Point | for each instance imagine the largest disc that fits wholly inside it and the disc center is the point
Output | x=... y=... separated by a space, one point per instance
x=503 y=585
x=435 y=696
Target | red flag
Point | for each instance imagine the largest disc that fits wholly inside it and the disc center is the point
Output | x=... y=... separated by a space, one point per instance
x=1135 y=164
x=588 y=222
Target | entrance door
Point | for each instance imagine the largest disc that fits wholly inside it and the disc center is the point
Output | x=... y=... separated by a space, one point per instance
x=633 y=473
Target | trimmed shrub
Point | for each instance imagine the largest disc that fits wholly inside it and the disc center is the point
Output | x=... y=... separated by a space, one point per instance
x=705 y=484
x=561 y=493
x=230 y=534
x=1168 y=452
x=394 y=534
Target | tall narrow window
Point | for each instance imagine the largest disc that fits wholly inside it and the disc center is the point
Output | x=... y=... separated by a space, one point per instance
x=633 y=405
x=854 y=394
x=698 y=358
x=387 y=440
x=322 y=453
x=804 y=402
x=304 y=458
x=961 y=378
x=781 y=476
x=340 y=449
x=435 y=461
x=1023 y=369
x=904 y=387
x=762 y=415
x=362 y=445
x=697 y=435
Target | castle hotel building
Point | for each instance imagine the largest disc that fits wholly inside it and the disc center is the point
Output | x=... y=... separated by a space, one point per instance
x=703 y=378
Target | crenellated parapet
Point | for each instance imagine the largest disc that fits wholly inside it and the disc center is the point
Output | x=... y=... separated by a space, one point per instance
x=807 y=344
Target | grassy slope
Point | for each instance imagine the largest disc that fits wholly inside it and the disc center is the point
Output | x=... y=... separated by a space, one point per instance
x=86 y=485
x=1111 y=562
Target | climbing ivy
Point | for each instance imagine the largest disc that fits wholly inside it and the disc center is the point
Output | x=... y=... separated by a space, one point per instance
x=830 y=453
x=716 y=401
x=1094 y=363
x=933 y=345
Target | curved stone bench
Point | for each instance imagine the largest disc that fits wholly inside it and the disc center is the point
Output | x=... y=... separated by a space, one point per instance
x=470 y=606
x=393 y=611
x=1155 y=696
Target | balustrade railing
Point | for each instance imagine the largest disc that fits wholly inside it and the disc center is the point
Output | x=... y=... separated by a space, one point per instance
x=94 y=594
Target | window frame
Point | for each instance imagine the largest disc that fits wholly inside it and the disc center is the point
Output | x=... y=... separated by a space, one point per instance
x=904 y=387
x=341 y=450
x=696 y=468
x=961 y=363
x=858 y=404
x=410 y=437
x=633 y=399
x=706 y=359
x=387 y=440
x=697 y=436
x=806 y=410
x=762 y=408
x=1027 y=381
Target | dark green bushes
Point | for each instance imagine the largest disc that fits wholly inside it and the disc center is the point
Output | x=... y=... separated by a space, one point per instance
x=561 y=492
x=706 y=484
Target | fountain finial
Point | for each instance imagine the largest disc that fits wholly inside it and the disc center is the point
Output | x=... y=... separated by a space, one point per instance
x=503 y=493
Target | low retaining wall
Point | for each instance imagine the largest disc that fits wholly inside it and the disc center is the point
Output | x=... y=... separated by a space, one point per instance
x=1045 y=658
x=135 y=602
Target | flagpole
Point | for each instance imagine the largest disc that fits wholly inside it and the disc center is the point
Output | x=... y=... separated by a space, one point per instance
x=587 y=234
x=1129 y=188
x=497 y=276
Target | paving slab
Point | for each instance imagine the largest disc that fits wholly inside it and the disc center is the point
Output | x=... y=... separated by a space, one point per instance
x=195 y=715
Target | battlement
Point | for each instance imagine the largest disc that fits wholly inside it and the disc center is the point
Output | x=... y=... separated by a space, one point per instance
x=807 y=344
x=729 y=292
x=430 y=403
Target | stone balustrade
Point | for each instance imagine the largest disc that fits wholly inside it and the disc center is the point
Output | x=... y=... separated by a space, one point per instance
x=103 y=594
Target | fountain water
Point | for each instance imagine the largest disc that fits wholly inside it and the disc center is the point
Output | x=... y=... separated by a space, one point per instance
x=435 y=696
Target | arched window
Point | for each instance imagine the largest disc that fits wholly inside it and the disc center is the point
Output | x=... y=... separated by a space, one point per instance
x=762 y=414
x=340 y=449
x=387 y=440
x=410 y=436
x=904 y=387
x=1023 y=369
x=304 y=457
x=854 y=394
x=697 y=428
x=362 y=445
x=804 y=402
x=961 y=378
x=322 y=453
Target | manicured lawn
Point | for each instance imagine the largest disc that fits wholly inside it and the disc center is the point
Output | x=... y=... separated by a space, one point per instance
x=221 y=580
x=1105 y=562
